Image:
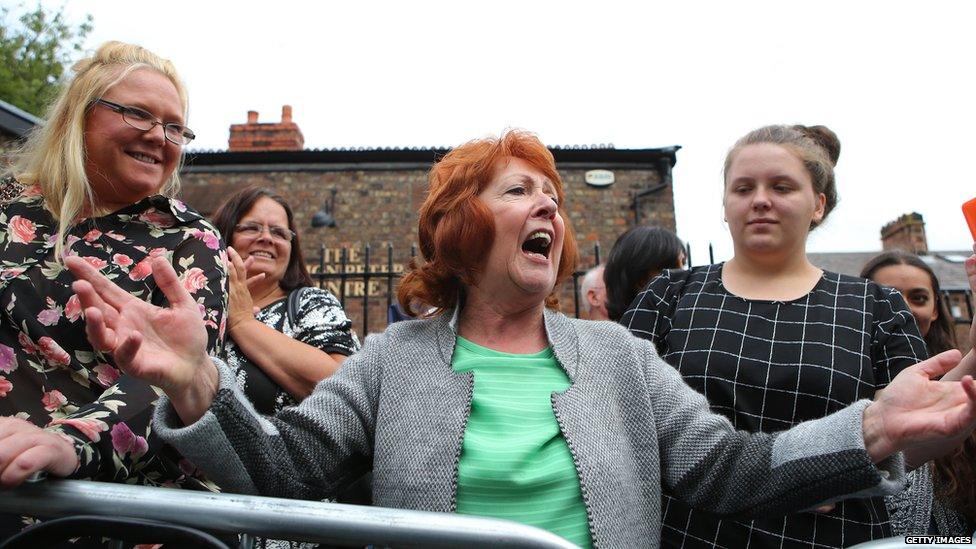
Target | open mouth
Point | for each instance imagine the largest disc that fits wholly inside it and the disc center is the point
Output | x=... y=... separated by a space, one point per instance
x=539 y=242
x=261 y=253
x=143 y=157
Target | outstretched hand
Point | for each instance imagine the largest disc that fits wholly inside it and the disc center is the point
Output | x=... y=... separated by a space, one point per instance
x=166 y=347
x=915 y=411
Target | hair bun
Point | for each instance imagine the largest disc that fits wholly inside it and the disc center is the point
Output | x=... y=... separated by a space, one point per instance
x=825 y=138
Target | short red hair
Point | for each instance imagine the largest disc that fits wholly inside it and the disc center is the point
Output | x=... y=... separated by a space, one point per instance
x=456 y=229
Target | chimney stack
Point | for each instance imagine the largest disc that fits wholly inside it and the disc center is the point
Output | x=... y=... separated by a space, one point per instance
x=907 y=233
x=255 y=136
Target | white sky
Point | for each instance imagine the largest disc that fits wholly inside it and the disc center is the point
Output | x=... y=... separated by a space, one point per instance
x=894 y=79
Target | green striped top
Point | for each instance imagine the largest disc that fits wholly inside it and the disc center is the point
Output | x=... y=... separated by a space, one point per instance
x=515 y=463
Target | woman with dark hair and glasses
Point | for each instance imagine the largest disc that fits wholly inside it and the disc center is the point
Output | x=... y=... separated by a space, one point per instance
x=277 y=354
x=96 y=181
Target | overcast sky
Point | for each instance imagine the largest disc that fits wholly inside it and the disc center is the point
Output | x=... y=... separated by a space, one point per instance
x=895 y=80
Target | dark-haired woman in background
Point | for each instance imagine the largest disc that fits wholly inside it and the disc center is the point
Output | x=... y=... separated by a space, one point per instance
x=918 y=284
x=770 y=339
x=638 y=255
x=952 y=478
x=277 y=359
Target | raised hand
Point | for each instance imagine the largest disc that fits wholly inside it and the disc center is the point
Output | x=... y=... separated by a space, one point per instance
x=26 y=449
x=240 y=305
x=166 y=347
x=916 y=413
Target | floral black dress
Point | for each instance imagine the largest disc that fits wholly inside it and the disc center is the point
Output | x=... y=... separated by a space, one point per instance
x=49 y=373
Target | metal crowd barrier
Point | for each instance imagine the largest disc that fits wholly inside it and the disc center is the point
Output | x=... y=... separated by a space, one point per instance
x=272 y=518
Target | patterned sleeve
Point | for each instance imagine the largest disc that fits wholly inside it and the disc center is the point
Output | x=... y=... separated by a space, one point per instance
x=909 y=510
x=201 y=265
x=112 y=434
x=895 y=340
x=649 y=315
x=323 y=324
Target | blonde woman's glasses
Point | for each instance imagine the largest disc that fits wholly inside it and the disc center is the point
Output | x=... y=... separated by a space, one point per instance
x=139 y=119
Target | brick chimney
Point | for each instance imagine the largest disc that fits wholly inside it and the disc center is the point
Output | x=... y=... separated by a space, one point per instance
x=905 y=233
x=255 y=136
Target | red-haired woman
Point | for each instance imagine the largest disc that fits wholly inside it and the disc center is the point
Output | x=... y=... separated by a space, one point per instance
x=498 y=406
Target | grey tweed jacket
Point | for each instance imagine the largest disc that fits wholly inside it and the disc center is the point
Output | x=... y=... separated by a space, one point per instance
x=630 y=421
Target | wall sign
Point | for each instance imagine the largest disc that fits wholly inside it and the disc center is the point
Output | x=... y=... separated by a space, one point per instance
x=599 y=178
x=355 y=268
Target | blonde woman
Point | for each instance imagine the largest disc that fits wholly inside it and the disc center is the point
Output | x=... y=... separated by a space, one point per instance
x=96 y=181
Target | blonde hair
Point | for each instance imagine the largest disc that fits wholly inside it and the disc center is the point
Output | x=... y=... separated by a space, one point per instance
x=53 y=157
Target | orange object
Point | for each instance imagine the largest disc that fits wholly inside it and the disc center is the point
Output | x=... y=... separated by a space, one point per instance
x=969 y=210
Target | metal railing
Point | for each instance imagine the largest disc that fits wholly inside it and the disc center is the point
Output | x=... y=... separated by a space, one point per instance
x=368 y=274
x=272 y=518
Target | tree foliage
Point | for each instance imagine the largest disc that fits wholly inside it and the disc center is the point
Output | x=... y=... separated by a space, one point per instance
x=36 y=49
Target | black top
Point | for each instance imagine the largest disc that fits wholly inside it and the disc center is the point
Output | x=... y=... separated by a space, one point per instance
x=319 y=322
x=768 y=365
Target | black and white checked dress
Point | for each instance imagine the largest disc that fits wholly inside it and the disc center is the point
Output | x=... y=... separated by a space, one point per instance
x=768 y=365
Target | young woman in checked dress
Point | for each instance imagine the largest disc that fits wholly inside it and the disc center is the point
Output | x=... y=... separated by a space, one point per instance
x=770 y=339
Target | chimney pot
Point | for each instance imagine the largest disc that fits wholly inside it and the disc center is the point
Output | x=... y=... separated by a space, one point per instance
x=272 y=136
x=906 y=233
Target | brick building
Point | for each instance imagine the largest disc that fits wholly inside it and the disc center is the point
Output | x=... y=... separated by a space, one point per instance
x=373 y=196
